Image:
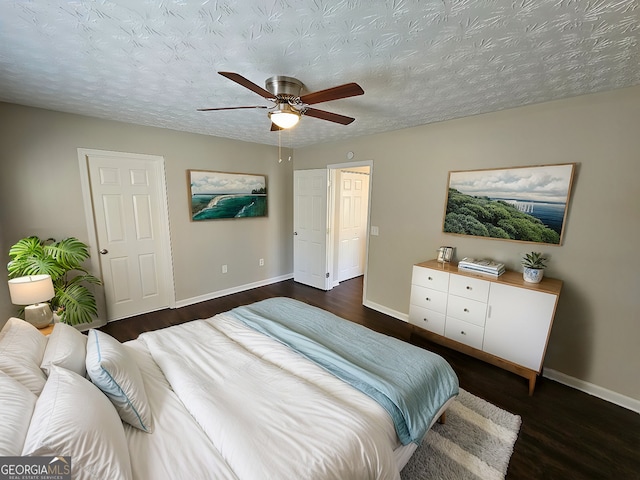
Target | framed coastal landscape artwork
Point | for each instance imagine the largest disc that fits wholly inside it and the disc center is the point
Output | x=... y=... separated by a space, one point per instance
x=526 y=204
x=220 y=195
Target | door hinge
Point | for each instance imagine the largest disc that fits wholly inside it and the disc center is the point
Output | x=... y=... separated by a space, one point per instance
x=327 y=275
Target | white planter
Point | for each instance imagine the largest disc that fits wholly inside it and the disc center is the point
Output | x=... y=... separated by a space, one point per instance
x=532 y=275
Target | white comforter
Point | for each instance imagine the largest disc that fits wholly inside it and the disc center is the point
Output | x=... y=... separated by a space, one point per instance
x=177 y=449
x=267 y=412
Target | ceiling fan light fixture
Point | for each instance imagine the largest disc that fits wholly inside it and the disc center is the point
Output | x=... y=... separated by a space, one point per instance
x=285 y=117
x=289 y=106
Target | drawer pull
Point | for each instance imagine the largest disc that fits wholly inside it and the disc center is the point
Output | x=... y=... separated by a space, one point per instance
x=425 y=320
x=463 y=332
x=427 y=299
x=469 y=288
x=429 y=278
x=466 y=310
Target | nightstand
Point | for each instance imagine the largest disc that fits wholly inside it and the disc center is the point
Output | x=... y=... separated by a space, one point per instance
x=46 y=331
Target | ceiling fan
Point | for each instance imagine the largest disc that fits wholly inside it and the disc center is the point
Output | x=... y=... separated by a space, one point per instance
x=289 y=106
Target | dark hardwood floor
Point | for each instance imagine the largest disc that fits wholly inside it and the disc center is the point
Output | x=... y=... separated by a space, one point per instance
x=565 y=433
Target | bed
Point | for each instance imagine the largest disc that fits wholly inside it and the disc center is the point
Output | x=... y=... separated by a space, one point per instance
x=277 y=389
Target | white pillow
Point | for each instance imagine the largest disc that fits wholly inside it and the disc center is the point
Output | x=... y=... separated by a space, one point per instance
x=21 y=351
x=115 y=372
x=16 y=407
x=73 y=418
x=66 y=348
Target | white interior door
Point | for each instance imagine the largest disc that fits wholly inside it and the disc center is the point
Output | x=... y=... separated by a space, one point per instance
x=352 y=212
x=310 y=264
x=131 y=225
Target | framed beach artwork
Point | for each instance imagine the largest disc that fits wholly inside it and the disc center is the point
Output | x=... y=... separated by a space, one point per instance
x=218 y=195
x=525 y=204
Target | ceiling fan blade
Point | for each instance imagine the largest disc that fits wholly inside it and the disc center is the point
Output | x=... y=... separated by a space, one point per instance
x=335 y=93
x=248 y=84
x=229 y=108
x=332 y=117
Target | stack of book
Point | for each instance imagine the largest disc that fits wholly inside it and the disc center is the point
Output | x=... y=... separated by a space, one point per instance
x=484 y=266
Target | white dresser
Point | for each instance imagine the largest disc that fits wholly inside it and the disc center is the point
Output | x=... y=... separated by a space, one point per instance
x=505 y=321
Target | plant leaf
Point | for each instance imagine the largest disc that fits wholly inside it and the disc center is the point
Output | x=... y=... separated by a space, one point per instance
x=78 y=302
x=86 y=277
x=534 y=260
x=28 y=258
x=26 y=247
x=35 y=266
x=68 y=252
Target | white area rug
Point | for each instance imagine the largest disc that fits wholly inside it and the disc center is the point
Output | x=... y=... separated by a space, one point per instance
x=475 y=443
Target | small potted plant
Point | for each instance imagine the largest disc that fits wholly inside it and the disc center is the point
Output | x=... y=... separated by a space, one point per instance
x=534 y=265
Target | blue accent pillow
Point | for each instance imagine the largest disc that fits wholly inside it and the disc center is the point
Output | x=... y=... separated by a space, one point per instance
x=113 y=370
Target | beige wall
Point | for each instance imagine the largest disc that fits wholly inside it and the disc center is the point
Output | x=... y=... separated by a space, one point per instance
x=596 y=330
x=6 y=309
x=40 y=194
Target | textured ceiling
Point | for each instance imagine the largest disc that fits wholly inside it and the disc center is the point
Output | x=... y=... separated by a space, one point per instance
x=154 y=62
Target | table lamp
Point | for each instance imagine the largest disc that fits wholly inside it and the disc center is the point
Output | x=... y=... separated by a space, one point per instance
x=33 y=289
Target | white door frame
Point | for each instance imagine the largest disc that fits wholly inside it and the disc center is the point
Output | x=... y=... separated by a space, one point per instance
x=83 y=154
x=362 y=176
x=333 y=169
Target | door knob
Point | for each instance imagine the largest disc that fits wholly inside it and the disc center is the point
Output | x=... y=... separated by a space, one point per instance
x=104 y=251
x=295 y=233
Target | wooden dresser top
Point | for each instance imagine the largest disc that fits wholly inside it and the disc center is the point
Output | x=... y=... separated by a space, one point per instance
x=509 y=277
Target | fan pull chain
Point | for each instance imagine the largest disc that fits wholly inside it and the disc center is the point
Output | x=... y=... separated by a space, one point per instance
x=279 y=147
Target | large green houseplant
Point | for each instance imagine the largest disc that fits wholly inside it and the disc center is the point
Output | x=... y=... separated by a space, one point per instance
x=73 y=301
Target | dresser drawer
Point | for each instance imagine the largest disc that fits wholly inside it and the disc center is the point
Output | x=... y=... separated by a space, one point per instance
x=427 y=319
x=468 y=310
x=468 y=287
x=464 y=332
x=428 y=298
x=426 y=277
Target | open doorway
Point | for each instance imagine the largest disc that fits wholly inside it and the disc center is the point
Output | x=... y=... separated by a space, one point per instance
x=323 y=208
x=349 y=219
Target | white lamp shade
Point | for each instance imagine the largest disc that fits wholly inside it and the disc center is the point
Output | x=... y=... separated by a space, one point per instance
x=31 y=289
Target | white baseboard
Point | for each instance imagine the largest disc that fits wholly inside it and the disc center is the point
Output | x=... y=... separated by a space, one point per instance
x=229 y=291
x=94 y=324
x=387 y=311
x=591 y=389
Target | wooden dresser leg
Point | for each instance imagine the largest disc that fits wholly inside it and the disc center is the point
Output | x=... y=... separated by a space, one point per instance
x=532 y=383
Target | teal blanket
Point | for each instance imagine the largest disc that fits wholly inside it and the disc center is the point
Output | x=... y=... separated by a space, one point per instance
x=410 y=383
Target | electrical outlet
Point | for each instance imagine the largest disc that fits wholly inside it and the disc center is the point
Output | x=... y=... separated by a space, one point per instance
x=224 y=269
x=261 y=262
